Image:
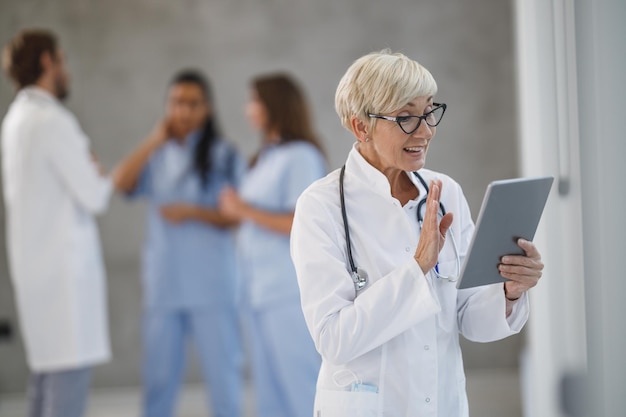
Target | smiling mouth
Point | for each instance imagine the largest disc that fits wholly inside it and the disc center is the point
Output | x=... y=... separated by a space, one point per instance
x=414 y=149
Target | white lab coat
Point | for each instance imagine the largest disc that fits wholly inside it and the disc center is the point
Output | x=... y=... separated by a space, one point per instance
x=52 y=191
x=400 y=334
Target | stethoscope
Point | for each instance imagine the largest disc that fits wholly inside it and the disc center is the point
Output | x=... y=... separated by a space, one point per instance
x=359 y=275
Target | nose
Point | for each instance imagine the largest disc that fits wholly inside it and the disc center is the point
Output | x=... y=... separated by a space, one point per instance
x=186 y=111
x=424 y=131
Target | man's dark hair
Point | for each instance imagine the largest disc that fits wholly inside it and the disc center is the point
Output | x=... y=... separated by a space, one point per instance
x=21 y=58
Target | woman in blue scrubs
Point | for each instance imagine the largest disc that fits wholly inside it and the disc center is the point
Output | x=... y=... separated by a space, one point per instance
x=283 y=357
x=189 y=252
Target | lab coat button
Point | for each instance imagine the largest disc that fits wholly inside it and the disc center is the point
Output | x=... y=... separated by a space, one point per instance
x=408 y=249
x=426 y=347
x=427 y=399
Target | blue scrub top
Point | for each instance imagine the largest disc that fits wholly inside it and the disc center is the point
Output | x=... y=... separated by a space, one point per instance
x=189 y=264
x=274 y=183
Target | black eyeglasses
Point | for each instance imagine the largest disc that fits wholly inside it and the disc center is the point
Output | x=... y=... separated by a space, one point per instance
x=410 y=124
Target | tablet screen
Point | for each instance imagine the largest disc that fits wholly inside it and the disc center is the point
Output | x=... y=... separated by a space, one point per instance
x=511 y=209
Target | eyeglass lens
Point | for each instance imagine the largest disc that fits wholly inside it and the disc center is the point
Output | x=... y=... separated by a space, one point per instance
x=410 y=123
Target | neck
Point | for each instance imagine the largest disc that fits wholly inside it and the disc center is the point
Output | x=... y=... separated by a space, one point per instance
x=272 y=137
x=401 y=186
x=46 y=85
x=182 y=139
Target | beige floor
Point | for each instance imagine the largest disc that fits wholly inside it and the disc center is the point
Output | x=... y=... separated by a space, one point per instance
x=492 y=393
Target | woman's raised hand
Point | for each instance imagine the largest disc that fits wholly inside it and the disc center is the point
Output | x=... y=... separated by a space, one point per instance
x=433 y=235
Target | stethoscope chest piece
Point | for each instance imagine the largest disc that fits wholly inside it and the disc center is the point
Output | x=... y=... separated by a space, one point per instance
x=360 y=278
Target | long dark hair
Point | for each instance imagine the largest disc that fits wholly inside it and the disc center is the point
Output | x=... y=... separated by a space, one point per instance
x=202 y=158
x=287 y=109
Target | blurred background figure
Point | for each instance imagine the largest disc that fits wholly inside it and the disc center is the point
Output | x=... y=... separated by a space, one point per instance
x=188 y=262
x=53 y=188
x=283 y=358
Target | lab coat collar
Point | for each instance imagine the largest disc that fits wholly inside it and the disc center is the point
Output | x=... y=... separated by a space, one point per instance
x=362 y=171
x=37 y=93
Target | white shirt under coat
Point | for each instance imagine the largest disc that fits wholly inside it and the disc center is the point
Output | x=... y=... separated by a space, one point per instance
x=400 y=334
x=52 y=191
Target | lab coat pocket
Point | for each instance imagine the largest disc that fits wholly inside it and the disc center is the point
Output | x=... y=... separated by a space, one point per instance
x=330 y=403
x=446 y=292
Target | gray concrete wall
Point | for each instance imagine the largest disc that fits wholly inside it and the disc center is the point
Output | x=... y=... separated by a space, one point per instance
x=122 y=53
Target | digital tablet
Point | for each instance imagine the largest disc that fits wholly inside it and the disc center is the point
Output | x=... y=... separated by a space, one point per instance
x=511 y=209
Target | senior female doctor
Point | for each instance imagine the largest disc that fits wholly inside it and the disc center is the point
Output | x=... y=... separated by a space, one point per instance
x=388 y=336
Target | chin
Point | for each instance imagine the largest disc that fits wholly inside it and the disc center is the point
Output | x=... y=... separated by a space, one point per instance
x=415 y=165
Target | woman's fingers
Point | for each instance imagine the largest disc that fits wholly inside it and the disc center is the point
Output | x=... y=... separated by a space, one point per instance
x=530 y=248
x=435 y=192
x=441 y=226
x=433 y=232
x=520 y=274
x=432 y=206
x=518 y=260
x=523 y=271
x=530 y=263
x=445 y=223
x=521 y=267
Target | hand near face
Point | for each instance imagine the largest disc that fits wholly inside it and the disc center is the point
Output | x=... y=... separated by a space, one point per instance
x=433 y=235
x=523 y=271
x=161 y=132
x=177 y=212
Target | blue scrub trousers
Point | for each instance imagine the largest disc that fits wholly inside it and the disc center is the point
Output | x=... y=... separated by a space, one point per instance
x=285 y=364
x=59 y=393
x=217 y=337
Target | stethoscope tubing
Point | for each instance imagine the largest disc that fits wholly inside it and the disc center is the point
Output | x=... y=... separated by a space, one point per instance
x=345 y=219
x=359 y=276
x=420 y=218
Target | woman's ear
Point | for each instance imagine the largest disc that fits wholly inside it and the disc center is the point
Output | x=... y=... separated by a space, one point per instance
x=360 y=128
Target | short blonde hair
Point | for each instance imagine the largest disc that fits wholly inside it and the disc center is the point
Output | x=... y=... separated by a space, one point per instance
x=381 y=82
